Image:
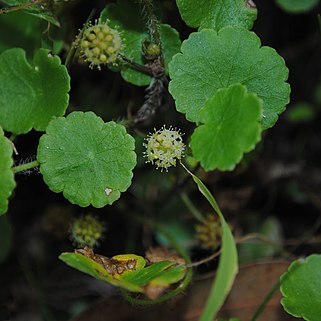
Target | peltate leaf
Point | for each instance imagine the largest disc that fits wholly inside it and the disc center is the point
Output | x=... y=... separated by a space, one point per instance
x=40 y=11
x=297 y=6
x=301 y=288
x=216 y=14
x=88 y=160
x=30 y=95
x=7 y=177
x=134 y=33
x=231 y=127
x=210 y=61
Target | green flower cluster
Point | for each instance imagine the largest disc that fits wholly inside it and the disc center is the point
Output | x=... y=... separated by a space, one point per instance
x=100 y=45
x=86 y=231
x=209 y=233
x=164 y=147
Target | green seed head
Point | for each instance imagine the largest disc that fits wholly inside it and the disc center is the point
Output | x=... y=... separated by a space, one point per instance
x=99 y=44
x=164 y=147
x=86 y=231
x=209 y=232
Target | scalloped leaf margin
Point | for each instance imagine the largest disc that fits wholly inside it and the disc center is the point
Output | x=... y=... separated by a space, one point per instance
x=231 y=128
x=88 y=160
x=31 y=95
x=212 y=60
x=217 y=14
x=301 y=287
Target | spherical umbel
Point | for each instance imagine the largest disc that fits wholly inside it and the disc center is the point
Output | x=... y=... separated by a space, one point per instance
x=164 y=147
x=86 y=230
x=99 y=44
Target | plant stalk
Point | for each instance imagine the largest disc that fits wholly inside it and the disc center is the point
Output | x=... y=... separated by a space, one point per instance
x=24 y=167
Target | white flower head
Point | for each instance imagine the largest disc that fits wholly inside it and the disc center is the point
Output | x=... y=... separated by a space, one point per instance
x=164 y=147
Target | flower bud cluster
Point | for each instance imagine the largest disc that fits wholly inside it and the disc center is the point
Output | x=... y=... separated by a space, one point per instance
x=209 y=232
x=100 y=44
x=86 y=231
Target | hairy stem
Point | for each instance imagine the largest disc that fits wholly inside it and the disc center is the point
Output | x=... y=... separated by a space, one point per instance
x=20 y=6
x=24 y=167
x=152 y=21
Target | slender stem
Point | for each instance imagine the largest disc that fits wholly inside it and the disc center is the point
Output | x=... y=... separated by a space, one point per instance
x=189 y=204
x=267 y=298
x=19 y=6
x=135 y=65
x=24 y=167
x=207 y=259
x=152 y=21
x=73 y=48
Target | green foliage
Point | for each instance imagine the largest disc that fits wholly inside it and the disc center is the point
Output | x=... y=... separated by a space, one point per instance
x=269 y=228
x=231 y=127
x=42 y=11
x=86 y=230
x=162 y=273
x=30 y=95
x=210 y=61
x=134 y=33
x=24 y=31
x=300 y=113
x=228 y=264
x=7 y=177
x=222 y=79
x=297 y=6
x=94 y=269
x=88 y=160
x=301 y=287
x=218 y=13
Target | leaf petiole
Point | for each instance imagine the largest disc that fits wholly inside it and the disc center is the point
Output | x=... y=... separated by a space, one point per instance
x=26 y=166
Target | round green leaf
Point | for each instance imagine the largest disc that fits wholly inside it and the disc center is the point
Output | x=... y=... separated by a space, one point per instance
x=301 y=288
x=232 y=127
x=216 y=14
x=88 y=160
x=134 y=33
x=30 y=95
x=297 y=6
x=210 y=61
x=7 y=177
